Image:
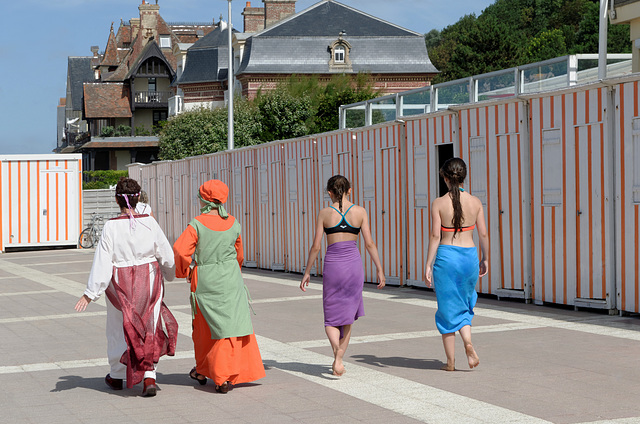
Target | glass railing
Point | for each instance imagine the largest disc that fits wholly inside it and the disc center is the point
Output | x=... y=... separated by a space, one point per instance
x=552 y=74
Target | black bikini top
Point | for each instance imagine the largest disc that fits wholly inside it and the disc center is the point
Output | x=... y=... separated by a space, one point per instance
x=343 y=226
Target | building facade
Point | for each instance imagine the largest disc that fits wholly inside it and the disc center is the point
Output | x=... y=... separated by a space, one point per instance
x=117 y=99
x=327 y=39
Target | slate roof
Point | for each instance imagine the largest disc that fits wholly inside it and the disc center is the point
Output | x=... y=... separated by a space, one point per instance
x=300 y=43
x=207 y=59
x=106 y=100
x=79 y=71
x=328 y=18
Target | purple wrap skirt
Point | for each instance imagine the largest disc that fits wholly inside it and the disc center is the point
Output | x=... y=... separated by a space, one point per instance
x=342 y=284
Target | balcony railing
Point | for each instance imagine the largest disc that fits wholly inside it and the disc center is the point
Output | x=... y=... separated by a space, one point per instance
x=151 y=98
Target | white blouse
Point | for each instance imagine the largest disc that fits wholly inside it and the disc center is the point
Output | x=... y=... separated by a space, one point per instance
x=123 y=246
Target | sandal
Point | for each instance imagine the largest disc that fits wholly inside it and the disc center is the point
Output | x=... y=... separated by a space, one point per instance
x=198 y=377
x=224 y=387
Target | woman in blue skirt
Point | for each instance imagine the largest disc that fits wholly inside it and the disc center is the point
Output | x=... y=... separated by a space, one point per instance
x=452 y=261
x=343 y=273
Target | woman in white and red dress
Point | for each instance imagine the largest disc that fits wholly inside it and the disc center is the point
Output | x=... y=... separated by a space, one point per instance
x=131 y=259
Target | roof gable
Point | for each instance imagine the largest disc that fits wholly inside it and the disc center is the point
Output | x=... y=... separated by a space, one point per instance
x=328 y=18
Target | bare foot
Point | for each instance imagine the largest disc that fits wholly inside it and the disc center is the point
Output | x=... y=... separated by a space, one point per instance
x=472 y=356
x=448 y=367
x=338 y=370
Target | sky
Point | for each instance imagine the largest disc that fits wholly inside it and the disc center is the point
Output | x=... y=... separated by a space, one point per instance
x=39 y=36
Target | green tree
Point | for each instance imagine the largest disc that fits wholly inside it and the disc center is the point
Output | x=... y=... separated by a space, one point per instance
x=283 y=115
x=511 y=33
x=204 y=131
x=547 y=45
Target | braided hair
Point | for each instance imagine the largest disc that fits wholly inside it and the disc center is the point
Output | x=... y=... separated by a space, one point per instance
x=455 y=170
x=338 y=185
x=131 y=189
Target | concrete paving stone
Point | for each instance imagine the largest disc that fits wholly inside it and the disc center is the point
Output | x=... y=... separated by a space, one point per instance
x=562 y=372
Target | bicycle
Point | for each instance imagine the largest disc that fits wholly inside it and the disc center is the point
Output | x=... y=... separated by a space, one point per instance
x=90 y=235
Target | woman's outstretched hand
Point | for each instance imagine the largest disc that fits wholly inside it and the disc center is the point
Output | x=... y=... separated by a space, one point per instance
x=82 y=303
x=381 y=280
x=305 y=282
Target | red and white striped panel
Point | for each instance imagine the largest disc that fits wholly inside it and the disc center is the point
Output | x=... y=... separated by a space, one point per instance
x=626 y=162
x=199 y=170
x=301 y=188
x=421 y=176
x=270 y=206
x=379 y=191
x=164 y=184
x=40 y=200
x=494 y=144
x=181 y=199
x=243 y=196
x=570 y=187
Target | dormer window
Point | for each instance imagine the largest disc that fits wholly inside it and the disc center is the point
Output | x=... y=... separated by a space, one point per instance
x=165 y=41
x=340 y=50
x=338 y=54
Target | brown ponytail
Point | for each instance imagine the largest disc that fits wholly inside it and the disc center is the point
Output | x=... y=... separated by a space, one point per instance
x=455 y=170
x=338 y=185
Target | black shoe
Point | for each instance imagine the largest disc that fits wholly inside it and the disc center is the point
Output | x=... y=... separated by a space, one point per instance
x=198 y=377
x=114 y=383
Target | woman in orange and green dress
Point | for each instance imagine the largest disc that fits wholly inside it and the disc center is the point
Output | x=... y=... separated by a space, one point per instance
x=225 y=345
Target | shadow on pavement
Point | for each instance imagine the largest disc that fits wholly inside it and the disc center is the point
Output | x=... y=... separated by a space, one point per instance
x=399 y=361
x=323 y=371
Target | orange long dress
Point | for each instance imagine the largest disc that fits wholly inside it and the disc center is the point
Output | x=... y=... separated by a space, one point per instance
x=233 y=359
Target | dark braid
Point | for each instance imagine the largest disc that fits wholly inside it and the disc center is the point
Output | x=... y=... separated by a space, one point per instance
x=338 y=185
x=455 y=170
x=129 y=187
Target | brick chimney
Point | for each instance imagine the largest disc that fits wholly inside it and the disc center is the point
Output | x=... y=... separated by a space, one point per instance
x=149 y=14
x=277 y=10
x=253 y=18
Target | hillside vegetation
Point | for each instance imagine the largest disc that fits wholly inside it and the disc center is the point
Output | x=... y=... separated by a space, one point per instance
x=511 y=33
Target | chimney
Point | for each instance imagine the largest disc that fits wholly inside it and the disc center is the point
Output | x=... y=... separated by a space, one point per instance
x=277 y=10
x=149 y=14
x=253 y=18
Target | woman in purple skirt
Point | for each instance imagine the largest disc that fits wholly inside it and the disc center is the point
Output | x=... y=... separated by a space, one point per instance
x=343 y=273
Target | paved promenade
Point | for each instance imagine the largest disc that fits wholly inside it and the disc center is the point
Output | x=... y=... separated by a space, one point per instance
x=538 y=364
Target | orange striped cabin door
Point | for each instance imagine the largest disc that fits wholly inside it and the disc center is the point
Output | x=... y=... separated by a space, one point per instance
x=379 y=192
x=301 y=182
x=513 y=215
x=58 y=211
x=270 y=209
x=592 y=217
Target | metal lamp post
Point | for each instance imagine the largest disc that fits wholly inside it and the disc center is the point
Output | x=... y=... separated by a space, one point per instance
x=230 y=83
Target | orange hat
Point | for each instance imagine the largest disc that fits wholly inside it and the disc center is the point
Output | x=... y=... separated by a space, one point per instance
x=214 y=191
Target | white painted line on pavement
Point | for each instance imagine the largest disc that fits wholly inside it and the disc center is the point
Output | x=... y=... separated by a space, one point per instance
x=61 y=284
x=82 y=363
x=308 y=344
x=86 y=261
x=541 y=319
x=406 y=397
x=50 y=317
x=27 y=293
